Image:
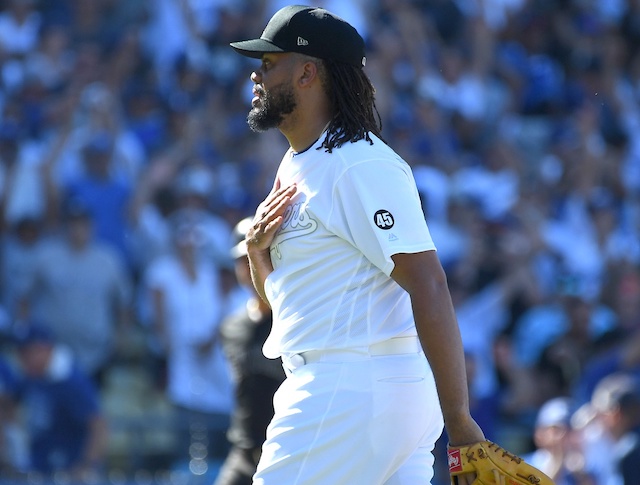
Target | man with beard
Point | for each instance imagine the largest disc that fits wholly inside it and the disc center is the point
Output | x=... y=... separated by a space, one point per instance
x=341 y=252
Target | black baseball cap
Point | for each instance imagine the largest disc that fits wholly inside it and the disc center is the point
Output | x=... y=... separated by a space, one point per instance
x=307 y=30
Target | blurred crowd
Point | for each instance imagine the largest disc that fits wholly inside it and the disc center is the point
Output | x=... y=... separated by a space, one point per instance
x=126 y=161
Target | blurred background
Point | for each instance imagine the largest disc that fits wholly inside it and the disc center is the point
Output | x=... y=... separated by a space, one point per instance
x=126 y=161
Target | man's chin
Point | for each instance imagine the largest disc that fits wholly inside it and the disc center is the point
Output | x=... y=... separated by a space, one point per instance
x=256 y=127
x=258 y=123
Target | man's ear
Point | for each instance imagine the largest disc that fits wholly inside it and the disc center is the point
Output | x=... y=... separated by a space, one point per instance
x=309 y=74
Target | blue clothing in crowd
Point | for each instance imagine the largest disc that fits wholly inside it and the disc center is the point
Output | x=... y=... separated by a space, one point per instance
x=60 y=407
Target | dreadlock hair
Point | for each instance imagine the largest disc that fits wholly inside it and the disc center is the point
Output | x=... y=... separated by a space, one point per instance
x=352 y=98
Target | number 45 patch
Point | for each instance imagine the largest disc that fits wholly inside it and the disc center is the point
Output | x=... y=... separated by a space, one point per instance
x=383 y=219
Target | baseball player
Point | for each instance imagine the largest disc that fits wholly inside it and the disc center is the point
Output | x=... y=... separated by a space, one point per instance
x=341 y=251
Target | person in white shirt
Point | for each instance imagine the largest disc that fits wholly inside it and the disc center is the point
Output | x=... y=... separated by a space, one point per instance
x=186 y=301
x=341 y=251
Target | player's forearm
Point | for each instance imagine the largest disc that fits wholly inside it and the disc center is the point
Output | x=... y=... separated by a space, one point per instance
x=440 y=337
x=422 y=276
x=261 y=267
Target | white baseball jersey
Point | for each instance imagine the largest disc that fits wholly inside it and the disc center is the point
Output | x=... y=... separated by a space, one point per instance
x=330 y=288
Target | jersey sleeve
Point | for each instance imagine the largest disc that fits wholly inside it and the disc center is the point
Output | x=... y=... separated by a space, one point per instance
x=376 y=207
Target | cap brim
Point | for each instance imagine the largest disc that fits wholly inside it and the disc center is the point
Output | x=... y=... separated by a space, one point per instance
x=255 y=47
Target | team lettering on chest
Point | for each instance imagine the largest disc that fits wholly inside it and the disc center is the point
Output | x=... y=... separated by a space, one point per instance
x=296 y=223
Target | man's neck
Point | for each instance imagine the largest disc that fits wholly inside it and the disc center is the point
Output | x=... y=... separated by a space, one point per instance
x=303 y=131
x=322 y=132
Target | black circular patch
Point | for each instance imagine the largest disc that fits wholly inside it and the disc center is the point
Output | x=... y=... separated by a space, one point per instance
x=383 y=219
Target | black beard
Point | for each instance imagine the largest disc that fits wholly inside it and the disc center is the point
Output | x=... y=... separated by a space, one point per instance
x=274 y=106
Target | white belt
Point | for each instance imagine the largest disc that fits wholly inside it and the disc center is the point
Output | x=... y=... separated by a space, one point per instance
x=394 y=346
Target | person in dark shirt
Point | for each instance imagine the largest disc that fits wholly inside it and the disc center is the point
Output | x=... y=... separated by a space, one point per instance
x=256 y=377
x=67 y=430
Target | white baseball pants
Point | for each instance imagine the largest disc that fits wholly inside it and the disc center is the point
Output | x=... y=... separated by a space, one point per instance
x=348 y=418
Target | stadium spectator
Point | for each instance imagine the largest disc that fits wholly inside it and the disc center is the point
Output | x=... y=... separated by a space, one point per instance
x=82 y=290
x=609 y=426
x=67 y=431
x=103 y=195
x=557 y=451
x=186 y=308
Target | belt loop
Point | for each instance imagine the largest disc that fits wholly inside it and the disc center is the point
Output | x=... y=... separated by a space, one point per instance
x=292 y=362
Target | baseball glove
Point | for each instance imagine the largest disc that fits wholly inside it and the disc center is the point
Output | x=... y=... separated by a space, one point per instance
x=492 y=465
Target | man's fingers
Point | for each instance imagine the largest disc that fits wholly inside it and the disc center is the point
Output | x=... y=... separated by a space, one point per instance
x=285 y=192
x=275 y=199
x=281 y=204
x=273 y=225
x=272 y=220
x=269 y=217
x=279 y=200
